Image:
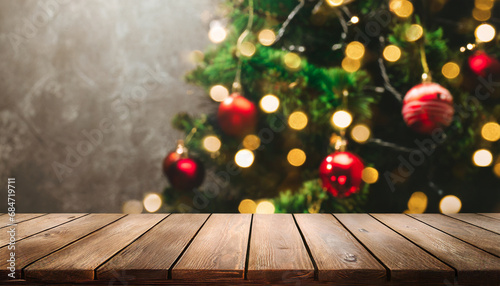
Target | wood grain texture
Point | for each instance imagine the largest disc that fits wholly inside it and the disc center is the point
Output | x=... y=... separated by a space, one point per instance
x=8 y=220
x=152 y=255
x=277 y=252
x=394 y=251
x=492 y=215
x=78 y=261
x=338 y=255
x=38 y=224
x=486 y=222
x=472 y=264
x=219 y=250
x=44 y=243
x=479 y=237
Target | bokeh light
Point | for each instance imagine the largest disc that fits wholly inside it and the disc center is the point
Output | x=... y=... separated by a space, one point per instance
x=355 y=50
x=392 y=53
x=132 y=207
x=217 y=33
x=334 y=3
x=484 y=4
x=247 y=49
x=265 y=207
x=196 y=56
x=485 y=33
x=297 y=120
x=450 y=70
x=247 y=206
x=152 y=202
x=496 y=169
x=244 y=158
x=414 y=32
x=292 y=61
x=269 y=103
x=370 y=175
x=482 y=158
x=219 y=93
x=450 y=205
x=350 y=65
x=360 y=133
x=211 y=143
x=341 y=119
x=296 y=157
x=417 y=203
x=481 y=15
x=402 y=8
x=267 y=37
x=354 y=19
x=251 y=142
x=491 y=131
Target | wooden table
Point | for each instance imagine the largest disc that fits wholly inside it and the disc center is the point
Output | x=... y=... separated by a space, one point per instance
x=229 y=249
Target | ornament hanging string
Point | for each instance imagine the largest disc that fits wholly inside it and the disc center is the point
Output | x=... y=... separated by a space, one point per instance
x=294 y=12
x=426 y=76
x=241 y=38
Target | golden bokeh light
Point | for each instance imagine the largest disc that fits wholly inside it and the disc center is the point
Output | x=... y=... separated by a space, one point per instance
x=482 y=158
x=265 y=207
x=481 y=15
x=354 y=19
x=341 y=119
x=484 y=4
x=219 y=93
x=450 y=205
x=360 y=133
x=152 y=202
x=484 y=33
x=450 y=70
x=334 y=3
x=355 y=50
x=292 y=61
x=496 y=169
x=402 y=8
x=296 y=157
x=267 y=37
x=350 y=65
x=417 y=203
x=217 y=34
x=392 y=53
x=414 y=32
x=370 y=175
x=132 y=207
x=297 y=120
x=269 y=103
x=211 y=143
x=247 y=206
x=491 y=131
x=244 y=158
x=247 y=49
x=251 y=142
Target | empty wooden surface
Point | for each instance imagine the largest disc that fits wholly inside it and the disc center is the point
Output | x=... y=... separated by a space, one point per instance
x=231 y=249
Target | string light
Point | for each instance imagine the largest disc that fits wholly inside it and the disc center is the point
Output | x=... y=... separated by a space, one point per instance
x=265 y=207
x=450 y=205
x=296 y=157
x=251 y=142
x=355 y=50
x=354 y=19
x=297 y=120
x=269 y=103
x=391 y=53
x=267 y=37
x=482 y=158
x=369 y=175
x=360 y=133
x=462 y=49
x=350 y=65
x=417 y=203
x=132 y=207
x=481 y=15
x=334 y=3
x=484 y=33
x=341 y=119
x=292 y=61
x=402 y=8
x=491 y=131
x=470 y=46
x=450 y=70
x=244 y=158
x=219 y=93
x=247 y=49
x=247 y=206
x=414 y=32
x=211 y=143
x=217 y=33
x=152 y=202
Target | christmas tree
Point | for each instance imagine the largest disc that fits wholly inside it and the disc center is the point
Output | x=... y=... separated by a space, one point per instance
x=344 y=106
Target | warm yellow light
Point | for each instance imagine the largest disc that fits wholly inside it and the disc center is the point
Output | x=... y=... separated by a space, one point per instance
x=360 y=133
x=270 y=103
x=152 y=202
x=392 y=53
x=217 y=34
x=251 y=142
x=496 y=169
x=395 y=4
x=417 y=203
x=211 y=143
x=247 y=206
x=296 y=157
x=132 y=207
x=247 y=49
x=481 y=15
x=491 y=131
x=470 y=46
x=414 y=32
x=355 y=50
x=370 y=175
x=485 y=33
x=265 y=207
x=341 y=119
x=334 y=3
x=450 y=205
x=350 y=65
x=484 y=4
x=402 y=9
x=292 y=61
x=267 y=37
x=482 y=158
x=450 y=70
x=297 y=120
x=244 y=158
x=354 y=19
x=219 y=93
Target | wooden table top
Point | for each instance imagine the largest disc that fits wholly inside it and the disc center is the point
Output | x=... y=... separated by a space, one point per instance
x=229 y=249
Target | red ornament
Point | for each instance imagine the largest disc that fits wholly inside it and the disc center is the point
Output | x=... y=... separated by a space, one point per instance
x=482 y=64
x=182 y=172
x=340 y=174
x=237 y=115
x=427 y=106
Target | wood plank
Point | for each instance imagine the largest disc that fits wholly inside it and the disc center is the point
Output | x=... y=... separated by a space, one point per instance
x=152 y=255
x=219 y=250
x=44 y=243
x=472 y=264
x=338 y=255
x=77 y=261
x=492 y=215
x=39 y=224
x=8 y=220
x=277 y=252
x=479 y=237
x=481 y=221
x=394 y=251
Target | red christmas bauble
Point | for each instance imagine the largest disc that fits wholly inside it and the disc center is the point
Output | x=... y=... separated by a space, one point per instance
x=340 y=174
x=182 y=172
x=482 y=64
x=427 y=106
x=237 y=115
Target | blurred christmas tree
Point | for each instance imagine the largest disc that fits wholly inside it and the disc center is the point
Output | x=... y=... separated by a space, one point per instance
x=302 y=90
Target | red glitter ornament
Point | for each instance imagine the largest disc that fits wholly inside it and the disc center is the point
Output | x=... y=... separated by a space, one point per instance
x=340 y=174
x=237 y=116
x=182 y=172
x=482 y=64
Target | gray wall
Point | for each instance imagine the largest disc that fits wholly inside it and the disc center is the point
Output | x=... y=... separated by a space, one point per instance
x=108 y=70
